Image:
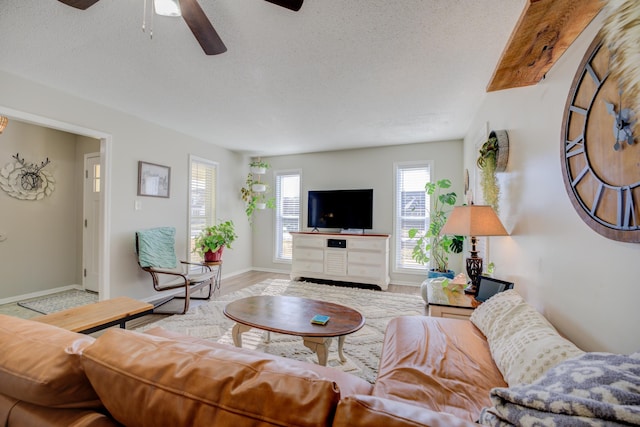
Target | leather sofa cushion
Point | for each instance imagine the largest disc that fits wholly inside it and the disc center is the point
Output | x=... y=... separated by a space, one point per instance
x=6 y=404
x=442 y=364
x=347 y=383
x=358 y=410
x=26 y=414
x=40 y=364
x=145 y=380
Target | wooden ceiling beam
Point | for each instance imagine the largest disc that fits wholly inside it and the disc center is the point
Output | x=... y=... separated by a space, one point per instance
x=546 y=29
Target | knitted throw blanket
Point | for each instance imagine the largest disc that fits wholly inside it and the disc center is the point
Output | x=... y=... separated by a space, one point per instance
x=593 y=389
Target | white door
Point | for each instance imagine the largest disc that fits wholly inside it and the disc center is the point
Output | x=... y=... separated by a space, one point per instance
x=91 y=220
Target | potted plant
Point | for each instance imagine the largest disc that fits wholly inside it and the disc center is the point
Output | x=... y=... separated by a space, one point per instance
x=259 y=167
x=492 y=158
x=263 y=202
x=255 y=193
x=212 y=240
x=432 y=245
x=258 y=187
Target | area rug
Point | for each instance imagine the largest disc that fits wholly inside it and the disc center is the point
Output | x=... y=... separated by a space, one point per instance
x=362 y=348
x=59 y=301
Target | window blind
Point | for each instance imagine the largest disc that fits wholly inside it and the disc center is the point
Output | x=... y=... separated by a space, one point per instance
x=411 y=210
x=202 y=199
x=287 y=212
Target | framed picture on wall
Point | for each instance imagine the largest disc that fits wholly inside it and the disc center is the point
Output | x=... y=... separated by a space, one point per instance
x=153 y=180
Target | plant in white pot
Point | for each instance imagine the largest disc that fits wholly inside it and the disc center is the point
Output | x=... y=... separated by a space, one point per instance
x=259 y=167
x=212 y=240
x=431 y=245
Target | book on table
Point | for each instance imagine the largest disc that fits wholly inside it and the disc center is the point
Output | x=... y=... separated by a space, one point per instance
x=320 y=319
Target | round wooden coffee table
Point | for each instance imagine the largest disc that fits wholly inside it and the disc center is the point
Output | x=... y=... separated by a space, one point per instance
x=292 y=316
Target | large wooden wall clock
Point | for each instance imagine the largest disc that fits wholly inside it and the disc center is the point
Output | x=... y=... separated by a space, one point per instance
x=600 y=154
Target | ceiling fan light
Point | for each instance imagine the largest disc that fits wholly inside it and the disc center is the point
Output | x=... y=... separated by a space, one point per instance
x=167 y=7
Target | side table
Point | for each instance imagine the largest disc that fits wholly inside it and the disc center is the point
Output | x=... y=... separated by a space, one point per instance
x=445 y=303
x=218 y=276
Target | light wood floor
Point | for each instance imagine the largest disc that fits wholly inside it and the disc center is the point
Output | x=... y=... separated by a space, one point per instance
x=228 y=285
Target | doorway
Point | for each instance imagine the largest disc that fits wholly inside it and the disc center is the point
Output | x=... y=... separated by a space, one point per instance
x=100 y=257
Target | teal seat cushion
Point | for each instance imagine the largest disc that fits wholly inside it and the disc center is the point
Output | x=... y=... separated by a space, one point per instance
x=156 y=247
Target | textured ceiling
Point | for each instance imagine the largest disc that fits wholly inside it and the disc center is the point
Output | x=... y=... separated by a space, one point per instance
x=337 y=74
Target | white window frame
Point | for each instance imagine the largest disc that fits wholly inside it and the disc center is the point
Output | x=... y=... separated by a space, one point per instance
x=397 y=233
x=278 y=235
x=211 y=220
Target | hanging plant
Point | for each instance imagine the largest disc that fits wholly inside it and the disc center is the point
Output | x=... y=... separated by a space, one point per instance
x=493 y=156
x=255 y=193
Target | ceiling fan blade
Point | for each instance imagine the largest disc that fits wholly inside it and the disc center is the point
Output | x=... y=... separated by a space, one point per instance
x=294 y=5
x=79 y=4
x=201 y=27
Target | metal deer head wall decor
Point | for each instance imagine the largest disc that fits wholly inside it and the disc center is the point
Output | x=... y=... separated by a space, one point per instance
x=26 y=181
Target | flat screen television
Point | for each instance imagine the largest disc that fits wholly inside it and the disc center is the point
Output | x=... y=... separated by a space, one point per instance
x=352 y=209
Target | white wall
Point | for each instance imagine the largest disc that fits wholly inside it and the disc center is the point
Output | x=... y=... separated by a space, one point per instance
x=352 y=169
x=133 y=140
x=585 y=284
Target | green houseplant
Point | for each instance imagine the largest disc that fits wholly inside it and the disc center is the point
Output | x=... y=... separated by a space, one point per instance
x=212 y=240
x=259 y=166
x=432 y=245
x=255 y=193
x=487 y=162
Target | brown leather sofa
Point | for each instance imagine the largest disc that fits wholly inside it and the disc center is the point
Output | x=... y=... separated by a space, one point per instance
x=433 y=372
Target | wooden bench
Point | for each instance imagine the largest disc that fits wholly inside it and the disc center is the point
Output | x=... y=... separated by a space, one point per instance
x=94 y=317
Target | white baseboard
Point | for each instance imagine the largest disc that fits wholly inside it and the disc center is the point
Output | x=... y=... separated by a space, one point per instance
x=38 y=294
x=403 y=283
x=270 y=270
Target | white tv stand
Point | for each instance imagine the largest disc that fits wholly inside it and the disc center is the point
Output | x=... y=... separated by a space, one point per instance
x=357 y=258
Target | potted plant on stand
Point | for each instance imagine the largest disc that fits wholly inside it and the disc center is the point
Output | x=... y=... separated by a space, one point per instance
x=432 y=246
x=212 y=240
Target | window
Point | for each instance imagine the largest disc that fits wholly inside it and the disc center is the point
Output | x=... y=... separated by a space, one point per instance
x=202 y=199
x=411 y=210
x=287 y=213
x=96 y=178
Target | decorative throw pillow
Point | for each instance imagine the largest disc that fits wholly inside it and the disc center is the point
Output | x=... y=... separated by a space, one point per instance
x=156 y=247
x=489 y=313
x=524 y=345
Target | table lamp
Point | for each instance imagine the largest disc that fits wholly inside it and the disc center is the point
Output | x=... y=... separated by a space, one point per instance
x=473 y=221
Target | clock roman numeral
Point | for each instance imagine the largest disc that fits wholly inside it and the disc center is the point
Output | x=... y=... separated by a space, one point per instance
x=579 y=177
x=578 y=110
x=596 y=200
x=626 y=209
x=570 y=144
x=593 y=75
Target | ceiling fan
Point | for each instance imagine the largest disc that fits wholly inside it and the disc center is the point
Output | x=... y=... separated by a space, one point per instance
x=196 y=19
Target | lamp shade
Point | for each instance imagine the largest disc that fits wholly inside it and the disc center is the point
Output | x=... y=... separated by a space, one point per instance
x=473 y=220
x=3 y=123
